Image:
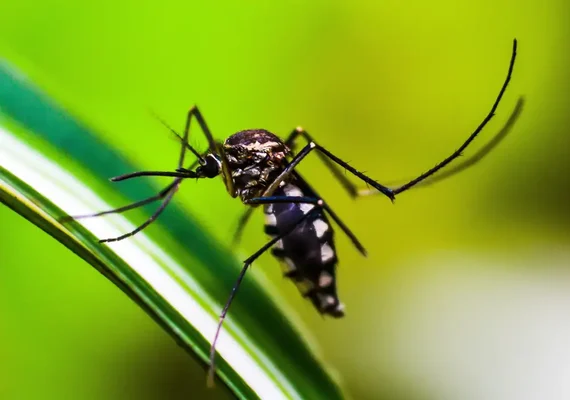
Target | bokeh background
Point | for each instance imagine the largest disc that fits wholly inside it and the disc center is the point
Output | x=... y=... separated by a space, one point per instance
x=466 y=291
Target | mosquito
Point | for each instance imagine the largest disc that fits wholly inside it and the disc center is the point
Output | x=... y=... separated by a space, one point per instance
x=261 y=170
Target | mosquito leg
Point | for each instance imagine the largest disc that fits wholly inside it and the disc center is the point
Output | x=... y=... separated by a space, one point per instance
x=334 y=169
x=194 y=111
x=149 y=221
x=140 y=203
x=243 y=220
x=213 y=146
x=475 y=158
x=352 y=189
x=235 y=288
x=182 y=173
x=468 y=161
x=471 y=137
x=332 y=214
x=310 y=200
x=167 y=193
x=290 y=169
x=285 y=199
x=287 y=171
x=247 y=214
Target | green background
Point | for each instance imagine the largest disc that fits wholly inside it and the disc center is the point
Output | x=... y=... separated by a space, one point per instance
x=392 y=87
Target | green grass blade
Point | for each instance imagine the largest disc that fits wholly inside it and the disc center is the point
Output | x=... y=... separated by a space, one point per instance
x=51 y=165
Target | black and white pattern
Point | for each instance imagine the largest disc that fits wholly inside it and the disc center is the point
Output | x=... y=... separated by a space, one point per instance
x=307 y=254
x=259 y=168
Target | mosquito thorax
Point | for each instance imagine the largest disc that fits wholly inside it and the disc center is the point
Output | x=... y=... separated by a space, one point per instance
x=255 y=157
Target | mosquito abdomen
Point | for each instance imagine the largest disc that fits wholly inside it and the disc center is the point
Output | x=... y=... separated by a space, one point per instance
x=307 y=254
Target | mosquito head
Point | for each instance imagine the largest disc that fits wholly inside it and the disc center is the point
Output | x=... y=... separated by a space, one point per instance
x=211 y=167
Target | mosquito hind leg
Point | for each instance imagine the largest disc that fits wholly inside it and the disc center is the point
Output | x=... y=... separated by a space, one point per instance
x=287 y=171
x=471 y=137
x=354 y=191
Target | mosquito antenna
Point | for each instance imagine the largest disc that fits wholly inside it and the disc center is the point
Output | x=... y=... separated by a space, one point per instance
x=185 y=143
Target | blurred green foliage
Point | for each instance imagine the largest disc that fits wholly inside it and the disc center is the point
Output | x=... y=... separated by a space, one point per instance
x=391 y=86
